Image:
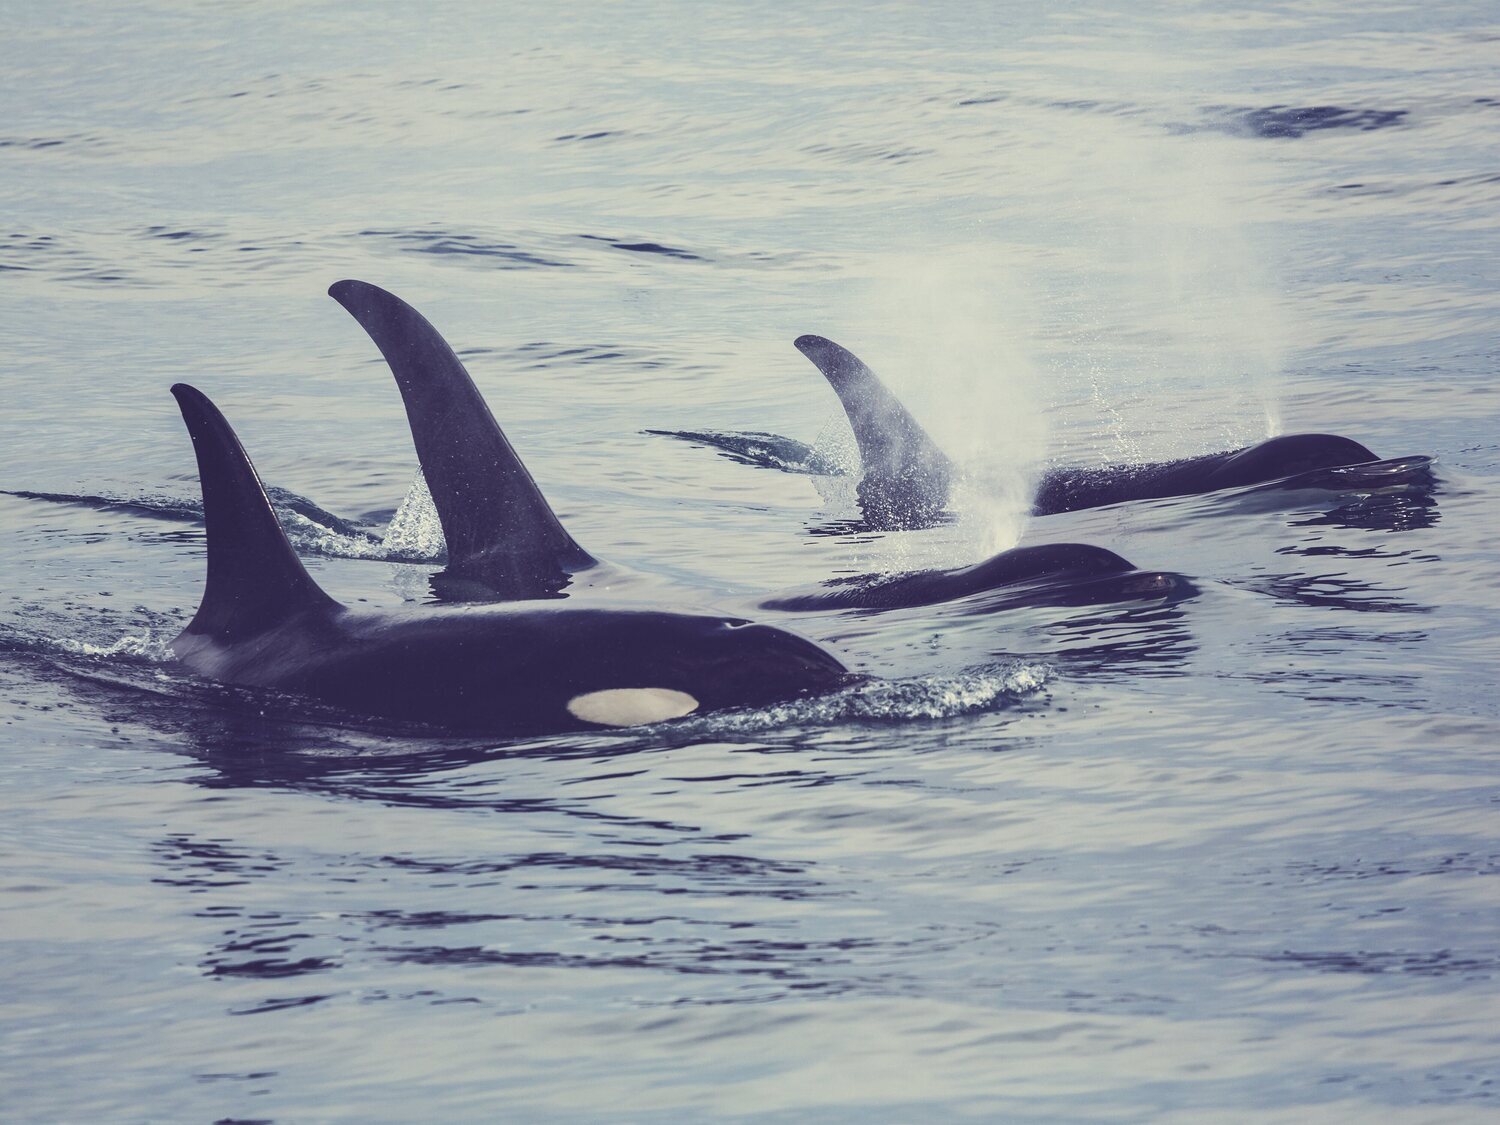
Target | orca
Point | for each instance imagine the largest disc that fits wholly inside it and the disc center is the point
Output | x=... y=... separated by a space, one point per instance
x=906 y=480
x=1048 y=574
x=507 y=543
x=516 y=668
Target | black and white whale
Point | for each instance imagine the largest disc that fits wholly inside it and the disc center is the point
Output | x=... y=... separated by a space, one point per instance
x=906 y=479
x=505 y=542
x=508 y=669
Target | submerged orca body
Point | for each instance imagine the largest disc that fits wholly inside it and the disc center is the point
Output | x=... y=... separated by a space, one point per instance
x=482 y=490
x=1051 y=574
x=1068 y=490
x=906 y=478
x=518 y=668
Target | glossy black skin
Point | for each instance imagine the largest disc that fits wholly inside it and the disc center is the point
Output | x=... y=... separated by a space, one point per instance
x=501 y=533
x=512 y=669
x=1068 y=490
x=1050 y=574
x=496 y=669
x=906 y=479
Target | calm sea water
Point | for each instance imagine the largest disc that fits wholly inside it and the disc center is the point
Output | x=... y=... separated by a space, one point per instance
x=1232 y=858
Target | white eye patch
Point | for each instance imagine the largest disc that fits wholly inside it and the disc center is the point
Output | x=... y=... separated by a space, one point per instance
x=629 y=707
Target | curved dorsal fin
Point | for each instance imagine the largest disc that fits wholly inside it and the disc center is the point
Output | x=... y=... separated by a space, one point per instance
x=255 y=579
x=891 y=443
x=500 y=529
x=905 y=478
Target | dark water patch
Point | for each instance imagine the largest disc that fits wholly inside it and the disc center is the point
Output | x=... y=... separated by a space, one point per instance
x=211 y=864
x=1465 y=864
x=1434 y=963
x=444 y=84
x=72 y=142
x=864 y=153
x=40 y=242
x=277 y=1004
x=271 y=968
x=763 y=450
x=1089 y=105
x=1134 y=640
x=103 y=277
x=727 y=874
x=1395 y=690
x=1291 y=122
x=1330 y=591
x=646 y=248
x=784 y=961
x=541 y=354
x=171 y=234
x=1077 y=105
x=983 y=99
x=1454 y=190
x=1334 y=550
x=450 y=244
x=1388 y=512
x=65 y=259
x=442 y=919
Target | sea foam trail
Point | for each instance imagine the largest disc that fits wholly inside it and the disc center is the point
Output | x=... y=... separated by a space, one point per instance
x=991 y=687
x=414 y=533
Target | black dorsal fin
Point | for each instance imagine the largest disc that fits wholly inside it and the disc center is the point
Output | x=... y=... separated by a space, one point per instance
x=255 y=579
x=500 y=529
x=904 y=478
x=891 y=443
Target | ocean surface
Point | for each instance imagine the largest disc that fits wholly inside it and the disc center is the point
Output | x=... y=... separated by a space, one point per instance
x=1231 y=857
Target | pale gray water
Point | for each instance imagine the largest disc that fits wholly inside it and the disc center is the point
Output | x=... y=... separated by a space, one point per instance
x=1233 y=858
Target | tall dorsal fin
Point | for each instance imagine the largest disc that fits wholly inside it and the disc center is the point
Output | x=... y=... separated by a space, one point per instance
x=500 y=529
x=891 y=443
x=255 y=579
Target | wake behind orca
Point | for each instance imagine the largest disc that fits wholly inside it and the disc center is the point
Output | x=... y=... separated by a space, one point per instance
x=509 y=669
x=906 y=479
x=507 y=543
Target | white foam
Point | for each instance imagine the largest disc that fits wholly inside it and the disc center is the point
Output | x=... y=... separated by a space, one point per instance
x=311 y=537
x=987 y=688
x=147 y=647
x=415 y=532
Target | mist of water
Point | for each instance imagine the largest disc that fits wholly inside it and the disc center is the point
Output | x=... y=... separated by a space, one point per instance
x=956 y=337
x=1158 y=333
x=1180 y=324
